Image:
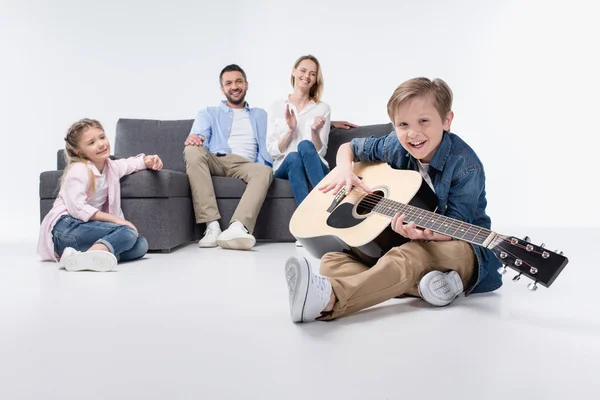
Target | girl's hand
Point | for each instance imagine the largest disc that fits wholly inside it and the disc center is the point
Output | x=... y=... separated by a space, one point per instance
x=153 y=162
x=318 y=123
x=121 y=221
x=290 y=118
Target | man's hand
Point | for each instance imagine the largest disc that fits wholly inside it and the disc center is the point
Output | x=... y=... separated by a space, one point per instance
x=343 y=124
x=411 y=231
x=344 y=177
x=153 y=162
x=194 y=140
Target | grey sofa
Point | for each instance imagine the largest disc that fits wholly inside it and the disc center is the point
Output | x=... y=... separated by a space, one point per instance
x=159 y=203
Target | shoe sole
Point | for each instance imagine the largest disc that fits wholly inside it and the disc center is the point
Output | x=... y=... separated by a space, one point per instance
x=94 y=260
x=237 y=244
x=297 y=272
x=428 y=293
x=207 y=246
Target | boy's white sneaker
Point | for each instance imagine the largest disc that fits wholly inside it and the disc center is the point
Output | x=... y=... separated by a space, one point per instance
x=236 y=237
x=439 y=288
x=308 y=293
x=91 y=260
x=210 y=236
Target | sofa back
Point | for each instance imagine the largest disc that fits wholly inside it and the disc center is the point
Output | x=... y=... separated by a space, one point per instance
x=337 y=137
x=150 y=136
x=166 y=138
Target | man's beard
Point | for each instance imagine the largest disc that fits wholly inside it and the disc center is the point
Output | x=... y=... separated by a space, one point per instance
x=236 y=102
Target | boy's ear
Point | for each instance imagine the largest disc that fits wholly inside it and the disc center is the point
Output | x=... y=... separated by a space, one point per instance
x=448 y=121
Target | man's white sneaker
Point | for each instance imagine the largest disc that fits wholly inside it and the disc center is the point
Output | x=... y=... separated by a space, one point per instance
x=210 y=236
x=236 y=237
x=308 y=293
x=92 y=260
x=439 y=288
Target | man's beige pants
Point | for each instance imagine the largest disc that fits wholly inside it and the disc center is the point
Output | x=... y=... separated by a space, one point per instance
x=397 y=273
x=201 y=164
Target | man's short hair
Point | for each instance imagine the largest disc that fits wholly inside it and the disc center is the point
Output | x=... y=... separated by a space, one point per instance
x=230 y=68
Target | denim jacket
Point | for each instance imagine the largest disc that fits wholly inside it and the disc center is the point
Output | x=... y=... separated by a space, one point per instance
x=214 y=124
x=459 y=181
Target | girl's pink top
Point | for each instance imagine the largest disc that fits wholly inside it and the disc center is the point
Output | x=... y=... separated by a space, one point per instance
x=72 y=198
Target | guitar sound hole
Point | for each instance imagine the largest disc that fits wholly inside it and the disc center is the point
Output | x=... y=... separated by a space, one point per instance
x=368 y=202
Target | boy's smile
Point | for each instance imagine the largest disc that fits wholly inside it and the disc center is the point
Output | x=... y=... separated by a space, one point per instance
x=420 y=128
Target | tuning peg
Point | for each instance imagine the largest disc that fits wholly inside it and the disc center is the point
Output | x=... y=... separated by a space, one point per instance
x=517 y=277
x=543 y=245
x=532 y=286
x=527 y=239
x=502 y=270
x=560 y=253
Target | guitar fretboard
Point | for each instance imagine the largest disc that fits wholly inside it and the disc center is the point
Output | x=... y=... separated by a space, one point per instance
x=436 y=222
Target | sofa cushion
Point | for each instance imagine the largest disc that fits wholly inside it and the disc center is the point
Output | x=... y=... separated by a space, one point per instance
x=165 y=138
x=337 y=137
x=142 y=184
x=152 y=184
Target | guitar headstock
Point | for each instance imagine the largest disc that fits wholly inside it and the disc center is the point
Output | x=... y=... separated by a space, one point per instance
x=533 y=261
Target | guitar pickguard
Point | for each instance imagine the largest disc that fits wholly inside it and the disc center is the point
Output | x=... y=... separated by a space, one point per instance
x=342 y=217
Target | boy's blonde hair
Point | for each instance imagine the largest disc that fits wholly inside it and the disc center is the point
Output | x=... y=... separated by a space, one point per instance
x=438 y=90
x=71 y=143
x=316 y=91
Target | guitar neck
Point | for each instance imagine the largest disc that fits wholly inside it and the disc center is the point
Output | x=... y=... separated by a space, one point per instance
x=436 y=222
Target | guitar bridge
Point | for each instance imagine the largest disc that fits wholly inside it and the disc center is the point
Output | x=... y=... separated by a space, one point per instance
x=336 y=200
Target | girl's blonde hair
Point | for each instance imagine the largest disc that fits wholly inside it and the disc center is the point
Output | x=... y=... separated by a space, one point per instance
x=316 y=91
x=71 y=144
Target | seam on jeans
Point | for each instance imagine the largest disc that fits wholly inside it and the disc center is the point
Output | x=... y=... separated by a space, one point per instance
x=61 y=238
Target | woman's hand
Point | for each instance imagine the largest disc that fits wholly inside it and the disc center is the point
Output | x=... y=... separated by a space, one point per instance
x=290 y=118
x=318 y=123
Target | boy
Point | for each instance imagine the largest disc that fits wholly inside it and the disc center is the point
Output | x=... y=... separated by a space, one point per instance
x=431 y=265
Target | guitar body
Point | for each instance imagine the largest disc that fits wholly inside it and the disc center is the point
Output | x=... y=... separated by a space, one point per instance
x=348 y=225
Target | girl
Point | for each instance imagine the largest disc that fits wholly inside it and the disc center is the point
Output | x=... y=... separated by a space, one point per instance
x=298 y=130
x=85 y=229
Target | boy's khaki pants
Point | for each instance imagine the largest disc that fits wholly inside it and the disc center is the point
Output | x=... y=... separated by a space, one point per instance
x=398 y=272
x=201 y=164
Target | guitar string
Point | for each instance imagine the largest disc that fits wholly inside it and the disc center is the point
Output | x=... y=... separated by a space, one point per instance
x=374 y=203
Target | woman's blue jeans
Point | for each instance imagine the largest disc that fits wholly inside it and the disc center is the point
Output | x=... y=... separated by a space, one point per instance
x=302 y=168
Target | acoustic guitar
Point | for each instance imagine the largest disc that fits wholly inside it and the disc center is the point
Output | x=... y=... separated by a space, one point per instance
x=358 y=223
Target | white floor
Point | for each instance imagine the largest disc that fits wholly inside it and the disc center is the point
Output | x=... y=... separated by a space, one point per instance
x=214 y=324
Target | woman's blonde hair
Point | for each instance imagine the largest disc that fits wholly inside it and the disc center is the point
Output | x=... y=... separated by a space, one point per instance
x=316 y=91
x=439 y=91
x=71 y=145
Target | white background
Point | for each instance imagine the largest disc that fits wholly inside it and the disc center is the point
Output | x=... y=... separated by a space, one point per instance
x=524 y=75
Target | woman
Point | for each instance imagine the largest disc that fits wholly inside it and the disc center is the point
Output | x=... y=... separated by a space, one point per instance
x=298 y=130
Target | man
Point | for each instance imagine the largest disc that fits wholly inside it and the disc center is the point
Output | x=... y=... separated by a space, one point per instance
x=229 y=140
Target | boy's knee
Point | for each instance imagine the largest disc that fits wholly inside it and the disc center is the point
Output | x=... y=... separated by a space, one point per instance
x=329 y=262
